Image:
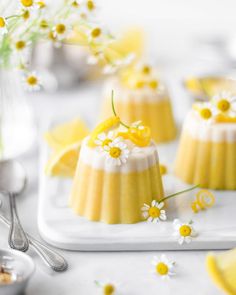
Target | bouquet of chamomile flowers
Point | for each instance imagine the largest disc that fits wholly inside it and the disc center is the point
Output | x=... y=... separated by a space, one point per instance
x=31 y=21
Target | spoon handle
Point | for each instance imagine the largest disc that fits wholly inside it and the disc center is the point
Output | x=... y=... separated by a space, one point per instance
x=49 y=256
x=52 y=259
x=17 y=238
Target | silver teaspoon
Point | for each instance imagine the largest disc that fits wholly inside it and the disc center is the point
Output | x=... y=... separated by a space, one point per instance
x=50 y=257
x=13 y=182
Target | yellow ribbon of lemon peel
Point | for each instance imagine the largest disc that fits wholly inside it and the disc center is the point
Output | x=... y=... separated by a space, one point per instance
x=140 y=137
x=178 y=193
x=204 y=200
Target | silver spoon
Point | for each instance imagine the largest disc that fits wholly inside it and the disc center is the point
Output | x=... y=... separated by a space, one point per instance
x=51 y=258
x=12 y=183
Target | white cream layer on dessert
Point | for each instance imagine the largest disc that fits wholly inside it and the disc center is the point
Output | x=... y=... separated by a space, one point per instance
x=209 y=131
x=122 y=93
x=140 y=158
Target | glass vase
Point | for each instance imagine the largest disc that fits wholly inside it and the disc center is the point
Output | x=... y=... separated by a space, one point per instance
x=17 y=128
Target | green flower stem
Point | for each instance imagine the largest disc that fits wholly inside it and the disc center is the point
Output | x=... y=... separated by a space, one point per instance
x=178 y=193
x=114 y=111
x=13 y=16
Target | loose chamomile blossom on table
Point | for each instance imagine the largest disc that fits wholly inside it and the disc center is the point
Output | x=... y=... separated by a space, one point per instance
x=184 y=232
x=163 y=267
x=107 y=287
x=154 y=213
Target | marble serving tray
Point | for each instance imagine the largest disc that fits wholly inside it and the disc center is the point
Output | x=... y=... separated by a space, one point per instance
x=59 y=226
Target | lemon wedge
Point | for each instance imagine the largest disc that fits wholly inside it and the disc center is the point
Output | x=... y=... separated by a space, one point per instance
x=66 y=134
x=63 y=162
x=104 y=126
x=222 y=269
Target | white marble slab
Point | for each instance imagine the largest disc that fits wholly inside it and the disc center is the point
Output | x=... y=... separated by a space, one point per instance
x=60 y=227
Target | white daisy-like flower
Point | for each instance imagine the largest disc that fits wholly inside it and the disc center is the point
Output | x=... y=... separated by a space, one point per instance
x=61 y=30
x=29 y=4
x=225 y=102
x=32 y=82
x=163 y=267
x=184 y=231
x=205 y=111
x=108 y=287
x=154 y=213
x=104 y=139
x=118 y=64
x=21 y=45
x=3 y=25
x=116 y=152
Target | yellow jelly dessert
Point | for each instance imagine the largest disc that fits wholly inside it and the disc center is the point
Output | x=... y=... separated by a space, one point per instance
x=141 y=96
x=117 y=172
x=207 y=149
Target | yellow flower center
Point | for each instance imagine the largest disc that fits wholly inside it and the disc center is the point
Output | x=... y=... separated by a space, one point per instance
x=223 y=105
x=51 y=36
x=43 y=24
x=162 y=269
x=26 y=14
x=20 y=45
x=2 y=22
x=75 y=4
x=205 y=113
x=185 y=230
x=96 y=32
x=108 y=289
x=106 y=142
x=146 y=70
x=154 y=212
x=140 y=84
x=90 y=5
x=32 y=80
x=153 y=84
x=60 y=29
x=115 y=152
x=41 y=4
x=27 y=3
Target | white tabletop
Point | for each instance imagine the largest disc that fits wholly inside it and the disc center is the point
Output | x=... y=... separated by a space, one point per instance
x=132 y=270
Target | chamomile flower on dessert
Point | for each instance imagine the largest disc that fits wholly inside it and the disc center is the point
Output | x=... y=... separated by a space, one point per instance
x=116 y=152
x=154 y=213
x=163 y=267
x=61 y=30
x=107 y=287
x=205 y=111
x=3 y=25
x=104 y=139
x=184 y=231
x=32 y=82
x=225 y=102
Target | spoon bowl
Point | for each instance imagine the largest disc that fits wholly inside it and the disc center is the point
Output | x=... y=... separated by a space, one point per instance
x=12 y=177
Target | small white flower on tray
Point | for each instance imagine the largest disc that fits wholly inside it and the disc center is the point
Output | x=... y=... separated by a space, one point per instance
x=116 y=152
x=163 y=267
x=154 y=213
x=184 y=231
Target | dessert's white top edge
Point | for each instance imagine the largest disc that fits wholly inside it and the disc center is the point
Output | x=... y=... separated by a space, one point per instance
x=139 y=159
x=216 y=132
x=125 y=94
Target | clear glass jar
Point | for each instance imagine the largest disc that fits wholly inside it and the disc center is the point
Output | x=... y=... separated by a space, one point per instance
x=17 y=126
